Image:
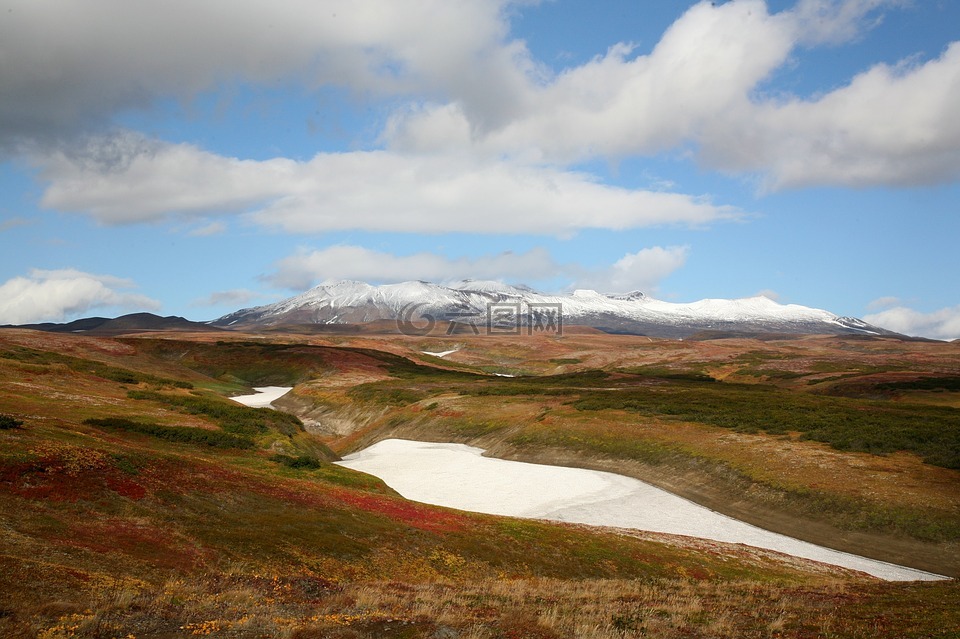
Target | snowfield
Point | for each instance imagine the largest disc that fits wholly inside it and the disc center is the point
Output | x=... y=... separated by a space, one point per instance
x=458 y=476
x=264 y=397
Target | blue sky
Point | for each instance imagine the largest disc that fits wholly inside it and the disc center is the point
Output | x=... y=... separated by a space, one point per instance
x=193 y=158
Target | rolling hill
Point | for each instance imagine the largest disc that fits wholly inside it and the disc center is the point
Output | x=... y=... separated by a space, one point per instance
x=137 y=499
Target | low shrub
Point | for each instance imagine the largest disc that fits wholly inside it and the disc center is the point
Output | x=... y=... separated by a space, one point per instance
x=230 y=416
x=933 y=432
x=179 y=434
x=7 y=422
x=301 y=461
x=928 y=383
x=379 y=393
x=89 y=366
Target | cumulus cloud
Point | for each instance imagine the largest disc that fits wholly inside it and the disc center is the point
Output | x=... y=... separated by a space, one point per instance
x=473 y=88
x=890 y=125
x=127 y=178
x=67 y=67
x=642 y=270
x=701 y=87
x=621 y=103
x=943 y=324
x=472 y=91
x=55 y=295
x=346 y=262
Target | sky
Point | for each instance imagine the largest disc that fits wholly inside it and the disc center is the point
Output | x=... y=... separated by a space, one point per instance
x=194 y=158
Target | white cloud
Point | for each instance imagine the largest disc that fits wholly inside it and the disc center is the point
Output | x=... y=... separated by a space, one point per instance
x=12 y=223
x=344 y=262
x=943 y=324
x=642 y=270
x=127 y=178
x=69 y=66
x=236 y=297
x=833 y=21
x=213 y=228
x=890 y=125
x=702 y=87
x=883 y=303
x=620 y=103
x=472 y=91
x=55 y=295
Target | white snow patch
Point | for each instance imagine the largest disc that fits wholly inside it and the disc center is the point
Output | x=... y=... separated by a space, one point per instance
x=458 y=476
x=264 y=397
x=441 y=353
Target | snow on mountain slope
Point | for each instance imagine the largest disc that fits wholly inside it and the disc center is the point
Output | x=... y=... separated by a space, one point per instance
x=472 y=301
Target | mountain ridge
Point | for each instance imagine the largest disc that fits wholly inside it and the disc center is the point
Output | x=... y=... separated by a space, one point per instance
x=133 y=322
x=494 y=306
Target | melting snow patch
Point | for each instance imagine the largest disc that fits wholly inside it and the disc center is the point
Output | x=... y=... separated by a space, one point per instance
x=458 y=476
x=441 y=353
x=264 y=397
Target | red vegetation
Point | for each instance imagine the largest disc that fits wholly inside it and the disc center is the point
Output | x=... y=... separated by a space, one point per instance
x=34 y=481
x=126 y=487
x=134 y=539
x=411 y=513
x=62 y=474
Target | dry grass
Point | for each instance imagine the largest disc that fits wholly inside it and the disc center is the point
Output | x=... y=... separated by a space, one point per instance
x=232 y=605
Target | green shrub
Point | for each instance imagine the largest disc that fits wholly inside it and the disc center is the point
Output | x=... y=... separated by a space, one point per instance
x=877 y=427
x=929 y=383
x=179 y=434
x=301 y=461
x=380 y=393
x=230 y=416
x=7 y=422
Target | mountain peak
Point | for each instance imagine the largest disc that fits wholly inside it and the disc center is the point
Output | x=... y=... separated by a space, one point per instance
x=632 y=296
x=490 y=286
x=351 y=302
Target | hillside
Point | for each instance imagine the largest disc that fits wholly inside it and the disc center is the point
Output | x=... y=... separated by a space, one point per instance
x=137 y=500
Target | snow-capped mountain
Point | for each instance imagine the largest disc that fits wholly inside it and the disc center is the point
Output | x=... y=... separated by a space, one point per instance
x=484 y=305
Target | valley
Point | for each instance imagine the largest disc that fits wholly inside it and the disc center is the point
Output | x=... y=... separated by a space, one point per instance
x=137 y=499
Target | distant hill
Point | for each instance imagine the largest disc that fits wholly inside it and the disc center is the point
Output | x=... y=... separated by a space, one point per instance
x=132 y=323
